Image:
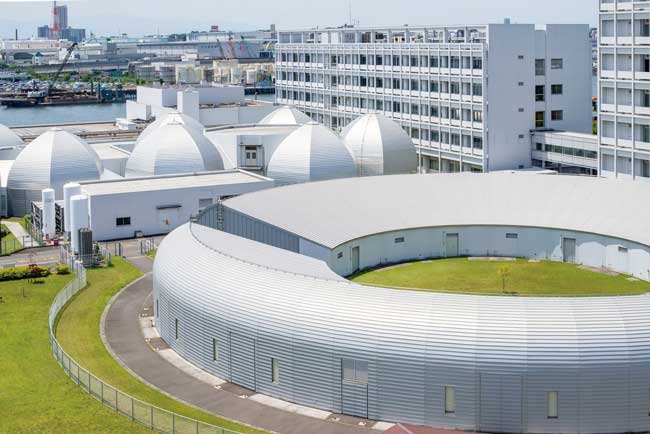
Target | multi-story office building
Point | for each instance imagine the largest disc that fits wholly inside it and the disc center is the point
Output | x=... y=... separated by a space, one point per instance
x=624 y=82
x=469 y=96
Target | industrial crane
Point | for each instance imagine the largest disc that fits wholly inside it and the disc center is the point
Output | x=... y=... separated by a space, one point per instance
x=58 y=71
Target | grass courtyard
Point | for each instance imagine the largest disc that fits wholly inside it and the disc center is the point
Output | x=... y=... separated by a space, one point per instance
x=524 y=278
x=35 y=394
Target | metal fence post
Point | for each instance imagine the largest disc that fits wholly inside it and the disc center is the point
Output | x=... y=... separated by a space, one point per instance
x=152 y=427
x=116 y=407
x=132 y=410
x=101 y=384
x=173 y=423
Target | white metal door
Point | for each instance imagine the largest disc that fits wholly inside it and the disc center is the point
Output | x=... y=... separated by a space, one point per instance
x=355 y=259
x=168 y=219
x=452 y=245
x=501 y=405
x=569 y=250
x=242 y=361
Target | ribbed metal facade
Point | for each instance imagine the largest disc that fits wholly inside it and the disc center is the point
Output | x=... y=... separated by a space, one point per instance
x=500 y=355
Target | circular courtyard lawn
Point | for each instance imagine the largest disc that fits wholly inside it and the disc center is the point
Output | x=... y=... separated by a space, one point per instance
x=503 y=277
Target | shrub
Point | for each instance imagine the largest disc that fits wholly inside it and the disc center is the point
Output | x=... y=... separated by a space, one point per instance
x=62 y=269
x=18 y=273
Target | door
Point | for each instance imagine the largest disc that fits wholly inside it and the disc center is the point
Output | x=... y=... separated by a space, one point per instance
x=452 y=246
x=501 y=403
x=569 y=250
x=355 y=259
x=168 y=218
x=242 y=361
x=354 y=387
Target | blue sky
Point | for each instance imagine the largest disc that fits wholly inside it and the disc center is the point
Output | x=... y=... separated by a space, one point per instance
x=150 y=16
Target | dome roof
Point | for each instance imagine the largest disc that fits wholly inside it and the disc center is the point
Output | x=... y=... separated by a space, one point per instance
x=173 y=117
x=311 y=153
x=171 y=148
x=286 y=116
x=54 y=158
x=380 y=146
x=9 y=138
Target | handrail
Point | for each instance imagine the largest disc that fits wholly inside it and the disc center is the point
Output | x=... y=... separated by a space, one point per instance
x=146 y=414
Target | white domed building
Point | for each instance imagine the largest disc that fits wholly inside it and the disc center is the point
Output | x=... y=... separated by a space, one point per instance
x=10 y=143
x=173 y=147
x=311 y=153
x=170 y=118
x=53 y=159
x=286 y=115
x=380 y=146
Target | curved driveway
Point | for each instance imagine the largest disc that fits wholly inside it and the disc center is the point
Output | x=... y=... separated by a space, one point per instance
x=125 y=341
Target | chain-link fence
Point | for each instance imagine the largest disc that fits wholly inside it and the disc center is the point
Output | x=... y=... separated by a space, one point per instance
x=146 y=414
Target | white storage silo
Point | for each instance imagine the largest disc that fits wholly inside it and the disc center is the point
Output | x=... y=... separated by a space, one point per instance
x=70 y=189
x=79 y=219
x=49 y=219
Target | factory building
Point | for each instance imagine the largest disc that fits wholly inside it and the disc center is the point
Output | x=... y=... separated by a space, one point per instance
x=203 y=49
x=257 y=297
x=434 y=82
x=624 y=89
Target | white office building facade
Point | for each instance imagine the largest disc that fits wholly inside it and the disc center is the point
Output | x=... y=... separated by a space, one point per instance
x=468 y=96
x=624 y=89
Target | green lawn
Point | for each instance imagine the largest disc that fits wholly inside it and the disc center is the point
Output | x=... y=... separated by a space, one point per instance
x=9 y=243
x=35 y=394
x=526 y=278
x=78 y=334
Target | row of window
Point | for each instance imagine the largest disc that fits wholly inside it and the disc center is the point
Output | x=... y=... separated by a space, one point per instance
x=457 y=62
x=566 y=150
x=540 y=65
x=540 y=117
x=540 y=91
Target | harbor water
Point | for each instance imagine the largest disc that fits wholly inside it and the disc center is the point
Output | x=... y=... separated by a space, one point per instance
x=69 y=114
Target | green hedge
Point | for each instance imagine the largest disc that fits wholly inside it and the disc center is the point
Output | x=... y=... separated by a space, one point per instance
x=18 y=273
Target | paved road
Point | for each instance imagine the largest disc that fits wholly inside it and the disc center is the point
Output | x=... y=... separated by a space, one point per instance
x=38 y=255
x=123 y=335
x=20 y=233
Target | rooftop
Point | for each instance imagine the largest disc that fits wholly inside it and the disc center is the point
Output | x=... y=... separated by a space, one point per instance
x=170 y=182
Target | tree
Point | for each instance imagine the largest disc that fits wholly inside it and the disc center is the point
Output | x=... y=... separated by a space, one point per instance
x=504 y=272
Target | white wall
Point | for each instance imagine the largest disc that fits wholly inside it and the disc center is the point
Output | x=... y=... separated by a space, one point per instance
x=234 y=115
x=534 y=243
x=142 y=208
x=154 y=96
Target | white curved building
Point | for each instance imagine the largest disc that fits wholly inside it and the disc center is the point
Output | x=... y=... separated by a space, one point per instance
x=261 y=301
x=9 y=138
x=285 y=115
x=53 y=159
x=380 y=146
x=170 y=118
x=171 y=148
x=311 y=153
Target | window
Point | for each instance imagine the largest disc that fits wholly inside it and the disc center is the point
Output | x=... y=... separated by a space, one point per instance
x=521 y=84
x=512 y=236
x=520 y=57
x=477 y=63
x=450 y=400
x=521 y=110
x=539 y=146
x=557 y=89
x=399 y=240
x=157 y=309
x=176 y=328
x=354 y=371
x=215 y=350
x=477 y=89
x=540 y=119
x=552 y=405
x=557 y=63
x=275 y=371
x=123 y=221
x=539 y=92
x=540 y=67
x=557 y=115
x=622 y=249
x=339 y=255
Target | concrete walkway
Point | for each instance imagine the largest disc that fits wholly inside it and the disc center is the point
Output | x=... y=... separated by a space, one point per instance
x=21 y=234
x=124 y=339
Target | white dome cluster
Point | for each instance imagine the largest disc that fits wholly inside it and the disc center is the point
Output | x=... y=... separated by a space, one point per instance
x=173 y=117
x=53 y=159
x=175 y=145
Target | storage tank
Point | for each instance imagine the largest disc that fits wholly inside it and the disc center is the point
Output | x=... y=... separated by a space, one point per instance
x=70 y=189
x=79 y=219
x=49 y=214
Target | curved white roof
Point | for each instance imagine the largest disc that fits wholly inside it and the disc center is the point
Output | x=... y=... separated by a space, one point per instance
x=286 y=115
x=53 y=159
x=173 y=117
x=9 y=138
x=380 y=146
x=171 y=148
x=348 y=209
x=311 y=153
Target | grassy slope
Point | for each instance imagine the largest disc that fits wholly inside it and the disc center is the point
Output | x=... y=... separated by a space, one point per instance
x=78 y=333
x=35 y=394
x=9 y=243
x=545 y=278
